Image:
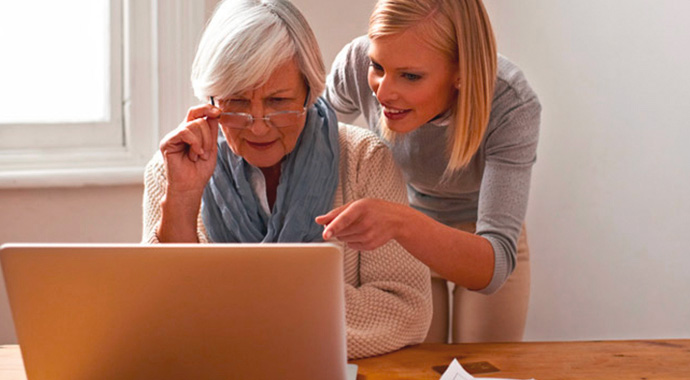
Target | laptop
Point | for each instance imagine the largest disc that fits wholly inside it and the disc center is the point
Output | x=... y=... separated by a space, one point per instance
x=178 y=311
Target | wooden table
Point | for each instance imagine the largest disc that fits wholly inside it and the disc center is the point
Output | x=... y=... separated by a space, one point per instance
x=601 y=360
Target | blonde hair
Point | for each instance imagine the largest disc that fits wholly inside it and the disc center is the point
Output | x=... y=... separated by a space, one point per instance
x=246 y=40
x=461 y=30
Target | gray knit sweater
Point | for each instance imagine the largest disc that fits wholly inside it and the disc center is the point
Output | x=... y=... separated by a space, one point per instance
x=501 y=168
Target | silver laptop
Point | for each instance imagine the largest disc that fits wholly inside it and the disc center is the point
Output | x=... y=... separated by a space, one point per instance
x=221 y=311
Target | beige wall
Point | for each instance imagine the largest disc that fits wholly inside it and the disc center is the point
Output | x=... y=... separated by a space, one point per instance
x=89 y=214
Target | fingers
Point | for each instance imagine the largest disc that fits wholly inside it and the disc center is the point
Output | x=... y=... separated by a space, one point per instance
x=196 y=139
x=327 y=218
x=205 y=118
x=203 y=111
x=212 y=145
x=207 y=141
x=361 y=224
x=338 y=220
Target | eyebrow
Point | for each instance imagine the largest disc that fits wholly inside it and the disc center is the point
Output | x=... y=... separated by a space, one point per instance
x=406 y=68
x=277 y=92
x=274 y=93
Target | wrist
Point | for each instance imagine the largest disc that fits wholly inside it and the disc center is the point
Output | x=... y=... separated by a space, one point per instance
x=405 y=218
x=180 y=206
x=183 y=194
x=178 y=218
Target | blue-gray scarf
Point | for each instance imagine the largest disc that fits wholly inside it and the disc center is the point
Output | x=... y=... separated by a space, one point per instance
x=308 y=178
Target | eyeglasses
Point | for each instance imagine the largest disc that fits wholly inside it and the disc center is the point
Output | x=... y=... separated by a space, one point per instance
x=280 y=119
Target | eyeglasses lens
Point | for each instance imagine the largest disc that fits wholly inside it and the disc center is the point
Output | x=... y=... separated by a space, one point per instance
x=277 y=120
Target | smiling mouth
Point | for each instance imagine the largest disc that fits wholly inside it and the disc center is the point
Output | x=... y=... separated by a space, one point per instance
x=394 y=113
x=261 y=145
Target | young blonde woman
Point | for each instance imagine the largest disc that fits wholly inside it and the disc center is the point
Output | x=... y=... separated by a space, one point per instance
x=463 y=125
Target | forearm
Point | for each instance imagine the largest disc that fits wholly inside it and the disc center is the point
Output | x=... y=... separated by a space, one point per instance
x=390 y=306
x=461 y=257
x=381 y=320
x=179 y=218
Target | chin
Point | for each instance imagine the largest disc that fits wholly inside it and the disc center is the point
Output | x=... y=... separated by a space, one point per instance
x=398 y=126
x=263 y=163
x=262 y=159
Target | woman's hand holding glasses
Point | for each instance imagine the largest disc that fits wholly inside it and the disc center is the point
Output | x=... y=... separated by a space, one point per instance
x=190 y=151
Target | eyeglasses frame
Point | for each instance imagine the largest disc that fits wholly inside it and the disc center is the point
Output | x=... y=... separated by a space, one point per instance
x=265 y=118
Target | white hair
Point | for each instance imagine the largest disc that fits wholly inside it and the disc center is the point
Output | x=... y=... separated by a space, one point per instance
x=246 y=40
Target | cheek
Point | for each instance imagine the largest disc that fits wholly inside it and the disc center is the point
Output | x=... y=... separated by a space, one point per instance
x=289 y=139
x=437 y=95
x=233 y=139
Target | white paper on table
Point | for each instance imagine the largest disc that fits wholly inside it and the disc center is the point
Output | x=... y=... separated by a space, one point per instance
x=456 y=372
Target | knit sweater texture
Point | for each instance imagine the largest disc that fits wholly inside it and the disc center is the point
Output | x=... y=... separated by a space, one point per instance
x=492 y=190
x=387 y=290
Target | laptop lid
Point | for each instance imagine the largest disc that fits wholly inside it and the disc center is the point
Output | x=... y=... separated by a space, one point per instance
x=220 y=311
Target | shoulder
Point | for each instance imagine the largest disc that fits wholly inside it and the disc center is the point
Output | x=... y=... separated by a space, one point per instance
x=512 y=85
x=516 y=109
x=367 y=168
x=360 y=142
x=354 y=54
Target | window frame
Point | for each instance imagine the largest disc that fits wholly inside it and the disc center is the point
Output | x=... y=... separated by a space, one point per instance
x=158 y=43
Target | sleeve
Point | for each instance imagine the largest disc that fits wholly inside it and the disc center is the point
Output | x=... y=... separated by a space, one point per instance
x=347 y=80
x=155 y=183
x=510 y=154
x=391 y=306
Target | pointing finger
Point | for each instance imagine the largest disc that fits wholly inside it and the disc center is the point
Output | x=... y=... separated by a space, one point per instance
x=340 y=223
x=327 y=218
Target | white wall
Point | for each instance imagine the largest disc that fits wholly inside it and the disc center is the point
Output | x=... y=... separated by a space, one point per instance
x=609 y=216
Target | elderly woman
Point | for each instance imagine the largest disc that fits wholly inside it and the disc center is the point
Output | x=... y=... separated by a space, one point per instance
x=280 y=160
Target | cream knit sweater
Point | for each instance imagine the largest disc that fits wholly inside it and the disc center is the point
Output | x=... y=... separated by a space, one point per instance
x=387 y=291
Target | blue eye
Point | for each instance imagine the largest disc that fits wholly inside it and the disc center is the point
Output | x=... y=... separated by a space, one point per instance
x=375 y=66
x=411 y=77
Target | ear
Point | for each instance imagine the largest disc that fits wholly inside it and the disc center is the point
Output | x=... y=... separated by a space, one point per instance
x=456 y=81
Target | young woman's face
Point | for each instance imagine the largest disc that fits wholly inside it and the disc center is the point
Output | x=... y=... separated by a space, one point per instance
x=261 y=144
x=413 y=82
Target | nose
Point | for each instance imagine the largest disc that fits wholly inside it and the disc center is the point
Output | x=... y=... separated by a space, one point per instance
x=259 y=126
x=384 y=89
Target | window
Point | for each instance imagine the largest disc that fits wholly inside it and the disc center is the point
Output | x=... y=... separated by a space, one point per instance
x=81 y=94
x=63 y=87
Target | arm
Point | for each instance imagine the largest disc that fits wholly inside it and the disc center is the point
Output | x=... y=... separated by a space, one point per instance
x=368 y=223
x=510 y=155
x=176 y=177
x=155 y=184
x=388 y=300
x=476 y=261
x=347 y=84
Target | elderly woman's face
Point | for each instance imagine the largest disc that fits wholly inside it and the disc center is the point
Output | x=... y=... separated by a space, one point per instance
x=262 y=144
